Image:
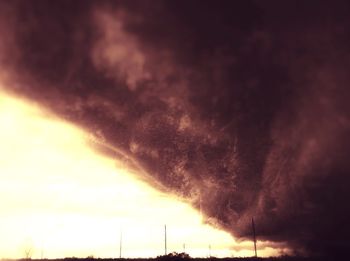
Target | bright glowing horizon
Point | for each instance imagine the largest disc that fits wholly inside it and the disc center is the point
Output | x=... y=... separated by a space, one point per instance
x=61 y=198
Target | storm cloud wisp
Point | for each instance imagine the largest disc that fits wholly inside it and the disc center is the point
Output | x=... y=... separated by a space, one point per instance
x=240 y=108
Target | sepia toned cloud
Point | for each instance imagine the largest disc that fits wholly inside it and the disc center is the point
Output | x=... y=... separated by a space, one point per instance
x=240 y=108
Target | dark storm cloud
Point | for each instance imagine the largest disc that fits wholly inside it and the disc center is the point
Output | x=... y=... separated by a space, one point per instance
x=240 y=107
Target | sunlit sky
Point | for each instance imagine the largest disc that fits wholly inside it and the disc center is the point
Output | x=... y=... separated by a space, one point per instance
x=61 y=198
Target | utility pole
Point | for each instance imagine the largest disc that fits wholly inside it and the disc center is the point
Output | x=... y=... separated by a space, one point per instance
x=209 y=250
x=165 y=247
x=200 y=207
x=184 y=248
x=254 y=237
x=120 y=243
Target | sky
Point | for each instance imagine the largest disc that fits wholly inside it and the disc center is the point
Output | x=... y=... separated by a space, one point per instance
x=60 y=198
x=221 y=111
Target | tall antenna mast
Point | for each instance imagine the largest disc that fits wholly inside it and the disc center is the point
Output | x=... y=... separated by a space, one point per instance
x=165 y=250
x=254 y=237
x=120 y=243
x=200 y=207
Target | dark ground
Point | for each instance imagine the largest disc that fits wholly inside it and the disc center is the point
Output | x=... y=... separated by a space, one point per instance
x=179 y=258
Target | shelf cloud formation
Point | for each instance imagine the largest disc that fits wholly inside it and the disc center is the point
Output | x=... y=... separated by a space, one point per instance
x=242 y=108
